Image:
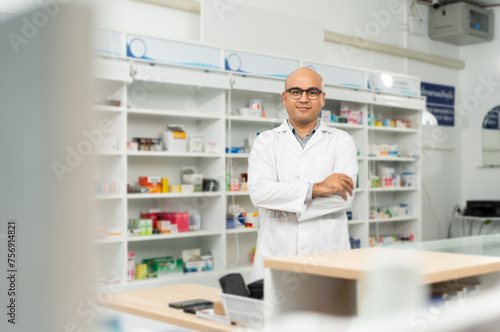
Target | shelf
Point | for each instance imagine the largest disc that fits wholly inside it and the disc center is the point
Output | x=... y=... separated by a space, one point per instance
x=184 y=277
x=171 y=236
x=110 y=239
x=241 y=230
x=393 y=189
x=108 y=153
x=344 y=125
x=107 y=197
x=107 y=108
x=237 y=155
x=238 y=118
x=479 y=218
x=173 y=113
x=396 y=219
x=360 y=158
x=237 y=193
x=405 y=159
x=358 y=190
x=394 y=130
x=355 y=222
x=239 y=268
x=175 y=195
x=171 y=154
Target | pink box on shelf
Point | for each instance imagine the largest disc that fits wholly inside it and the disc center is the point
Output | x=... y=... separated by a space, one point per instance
x=181 y=219
x=353 y=117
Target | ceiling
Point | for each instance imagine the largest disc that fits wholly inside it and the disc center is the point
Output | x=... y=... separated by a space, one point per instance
x=480 y=3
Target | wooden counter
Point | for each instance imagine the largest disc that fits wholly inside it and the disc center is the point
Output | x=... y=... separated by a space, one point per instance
x=324 y=283
x=352 y=264
x=153 y=303
x=329 y=282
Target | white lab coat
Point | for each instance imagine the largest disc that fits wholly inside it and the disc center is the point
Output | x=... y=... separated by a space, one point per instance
x=279 y=174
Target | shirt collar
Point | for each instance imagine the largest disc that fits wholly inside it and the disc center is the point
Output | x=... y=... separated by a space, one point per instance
x=311 y=132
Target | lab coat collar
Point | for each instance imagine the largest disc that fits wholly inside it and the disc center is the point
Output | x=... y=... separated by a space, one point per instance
x=320 y=132
x=284 y=127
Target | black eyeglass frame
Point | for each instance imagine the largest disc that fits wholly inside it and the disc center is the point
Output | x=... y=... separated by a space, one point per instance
x=306 y=91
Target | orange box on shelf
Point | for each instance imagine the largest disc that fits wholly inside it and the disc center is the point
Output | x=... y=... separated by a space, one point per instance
x=151 y=182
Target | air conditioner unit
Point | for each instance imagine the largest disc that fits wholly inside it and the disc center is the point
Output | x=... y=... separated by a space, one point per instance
x=461 y=23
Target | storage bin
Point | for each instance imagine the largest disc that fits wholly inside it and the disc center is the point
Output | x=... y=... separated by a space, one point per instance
x=243 y=310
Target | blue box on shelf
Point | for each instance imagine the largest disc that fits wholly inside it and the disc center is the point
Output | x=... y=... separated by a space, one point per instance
x=235 y=150
x=230 y=224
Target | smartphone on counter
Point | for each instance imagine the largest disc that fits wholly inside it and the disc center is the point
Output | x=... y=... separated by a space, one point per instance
x=189 y=303
x=192 y=309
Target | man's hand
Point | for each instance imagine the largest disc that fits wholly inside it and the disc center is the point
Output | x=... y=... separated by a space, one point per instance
x=334 y=183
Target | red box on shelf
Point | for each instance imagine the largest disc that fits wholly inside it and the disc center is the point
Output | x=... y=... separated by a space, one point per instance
x=153 y=216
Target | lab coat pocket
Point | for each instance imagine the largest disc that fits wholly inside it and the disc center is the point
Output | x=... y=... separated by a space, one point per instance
x=333 y=235
x=274 y=237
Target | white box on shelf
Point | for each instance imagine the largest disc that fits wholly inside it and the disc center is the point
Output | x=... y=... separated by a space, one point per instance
x=175 y=138
x=195 y=144
x=252 y=112
x=187 y=188
x=211 y=148
x=326 y=116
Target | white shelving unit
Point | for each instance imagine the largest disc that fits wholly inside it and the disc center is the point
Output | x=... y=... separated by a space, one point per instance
x=111 y=78
x=204 y=101
x=407 y=139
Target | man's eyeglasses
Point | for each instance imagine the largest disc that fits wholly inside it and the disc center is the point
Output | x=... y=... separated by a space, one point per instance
x=296 y=93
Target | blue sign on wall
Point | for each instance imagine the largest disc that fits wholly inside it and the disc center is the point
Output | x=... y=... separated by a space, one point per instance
x=440 y=102
x=491 y=119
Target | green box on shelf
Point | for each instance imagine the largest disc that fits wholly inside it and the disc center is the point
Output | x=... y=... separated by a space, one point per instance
x=142 y=226
x=166 y=267
x=149 y=262
x=149 y=227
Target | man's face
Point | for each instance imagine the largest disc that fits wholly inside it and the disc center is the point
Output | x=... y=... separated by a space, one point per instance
x=303 y=110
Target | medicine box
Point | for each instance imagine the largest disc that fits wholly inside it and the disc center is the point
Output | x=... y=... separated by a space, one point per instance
x=174 y=188
x=326 y=116
x=196 y=266
x=187 y=188
x=151 y=182
x=353 y=117
x=181 y=219
x=142 y=226
x=195 y=144
x=149 y=262
x=175 y=138
x=193 y=261
x=164 y=267
x=211 y=147
x=149 y=227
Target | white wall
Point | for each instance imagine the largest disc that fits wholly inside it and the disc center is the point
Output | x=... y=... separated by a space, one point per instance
x=130 y=16
x=482 y=64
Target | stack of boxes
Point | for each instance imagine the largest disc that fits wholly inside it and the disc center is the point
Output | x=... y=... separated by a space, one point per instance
x=161 y=267
x=156 y=222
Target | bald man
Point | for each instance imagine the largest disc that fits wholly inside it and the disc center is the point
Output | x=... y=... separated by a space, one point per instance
x=301 y=176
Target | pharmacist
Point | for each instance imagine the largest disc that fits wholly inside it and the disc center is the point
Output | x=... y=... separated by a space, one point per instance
x=301 y=176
